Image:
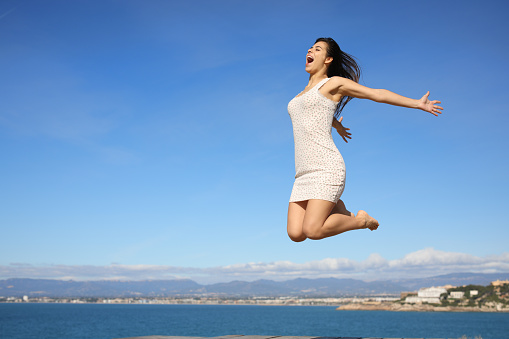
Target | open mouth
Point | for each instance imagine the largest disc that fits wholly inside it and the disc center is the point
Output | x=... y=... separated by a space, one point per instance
x=309 y=59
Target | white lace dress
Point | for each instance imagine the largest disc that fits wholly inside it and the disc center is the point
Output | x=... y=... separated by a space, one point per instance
x=319 y=167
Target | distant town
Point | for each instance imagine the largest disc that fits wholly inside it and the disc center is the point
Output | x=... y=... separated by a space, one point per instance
x=475 y=298
x=204 y=300
x=491 y=298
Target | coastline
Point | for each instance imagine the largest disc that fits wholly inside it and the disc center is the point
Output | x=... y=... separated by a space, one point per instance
x=397 y=307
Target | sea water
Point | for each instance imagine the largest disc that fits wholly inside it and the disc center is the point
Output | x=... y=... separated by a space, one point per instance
x=20 y=321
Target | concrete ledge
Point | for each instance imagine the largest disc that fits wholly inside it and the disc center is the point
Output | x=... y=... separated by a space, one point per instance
x=260 y=337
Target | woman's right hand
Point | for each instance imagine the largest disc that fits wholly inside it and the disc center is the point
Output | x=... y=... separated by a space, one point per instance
x=430 y=106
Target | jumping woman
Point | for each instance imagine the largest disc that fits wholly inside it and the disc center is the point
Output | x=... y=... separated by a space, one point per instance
x=315 y=210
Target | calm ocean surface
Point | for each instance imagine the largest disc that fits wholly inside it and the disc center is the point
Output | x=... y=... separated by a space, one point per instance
x=41 y=321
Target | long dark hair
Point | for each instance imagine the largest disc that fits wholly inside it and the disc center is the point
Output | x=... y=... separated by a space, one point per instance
x=343 y=65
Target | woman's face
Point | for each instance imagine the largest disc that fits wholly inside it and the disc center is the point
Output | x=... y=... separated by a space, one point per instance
x=317 y=58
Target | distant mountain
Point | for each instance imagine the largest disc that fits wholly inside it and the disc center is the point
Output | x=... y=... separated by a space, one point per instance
x=333 y=286
x=455 y=279
x=296 y=287
x=103 y=288
x=304 y=287
x=243 y=288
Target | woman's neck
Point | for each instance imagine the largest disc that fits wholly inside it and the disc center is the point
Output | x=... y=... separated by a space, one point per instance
x=316 y=78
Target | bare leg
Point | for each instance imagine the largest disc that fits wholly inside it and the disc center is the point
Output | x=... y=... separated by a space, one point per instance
x=296 y=212
x=318 y=219
x=341 y=209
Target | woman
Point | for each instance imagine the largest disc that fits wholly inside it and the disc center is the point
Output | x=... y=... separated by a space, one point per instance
x=315 y=210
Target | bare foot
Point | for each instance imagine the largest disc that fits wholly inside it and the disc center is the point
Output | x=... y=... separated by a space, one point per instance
x=341 y=209
x=369 y=222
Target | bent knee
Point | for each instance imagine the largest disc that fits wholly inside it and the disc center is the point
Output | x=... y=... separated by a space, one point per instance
x=312 y=231
x=314 y=235
x=297 y=236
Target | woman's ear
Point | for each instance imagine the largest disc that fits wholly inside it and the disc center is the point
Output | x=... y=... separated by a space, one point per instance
x=328 y=60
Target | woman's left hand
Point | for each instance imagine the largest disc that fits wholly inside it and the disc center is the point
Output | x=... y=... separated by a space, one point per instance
x=342 y=130
x=430 y=106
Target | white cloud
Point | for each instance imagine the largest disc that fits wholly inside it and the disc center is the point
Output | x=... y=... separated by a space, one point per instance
x=430 y=256
x=422 y=263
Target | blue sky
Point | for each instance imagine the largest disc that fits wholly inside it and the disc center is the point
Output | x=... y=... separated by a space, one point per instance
x=153 y=136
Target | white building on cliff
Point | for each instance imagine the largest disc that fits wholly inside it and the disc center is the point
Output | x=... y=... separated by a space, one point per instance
x=456 y=295
x=430 y=295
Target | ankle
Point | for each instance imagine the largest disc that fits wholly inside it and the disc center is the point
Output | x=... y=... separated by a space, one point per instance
x=361 y=221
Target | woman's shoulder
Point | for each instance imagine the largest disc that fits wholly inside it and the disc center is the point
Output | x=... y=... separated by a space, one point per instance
x=337 y=80
x=333 y=84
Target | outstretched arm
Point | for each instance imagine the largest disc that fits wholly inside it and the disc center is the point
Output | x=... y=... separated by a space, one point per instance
x=342 y=130
x=353 y=89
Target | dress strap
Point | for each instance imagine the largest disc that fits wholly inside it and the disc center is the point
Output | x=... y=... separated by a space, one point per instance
x=321 y=83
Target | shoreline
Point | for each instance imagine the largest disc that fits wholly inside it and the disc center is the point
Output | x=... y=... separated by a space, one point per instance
x=396 y=307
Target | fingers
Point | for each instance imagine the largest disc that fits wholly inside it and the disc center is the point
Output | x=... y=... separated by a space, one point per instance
x=434 y=109
x=346 y=136
x=340 y=119
x=434 y=112
x=437 y=109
